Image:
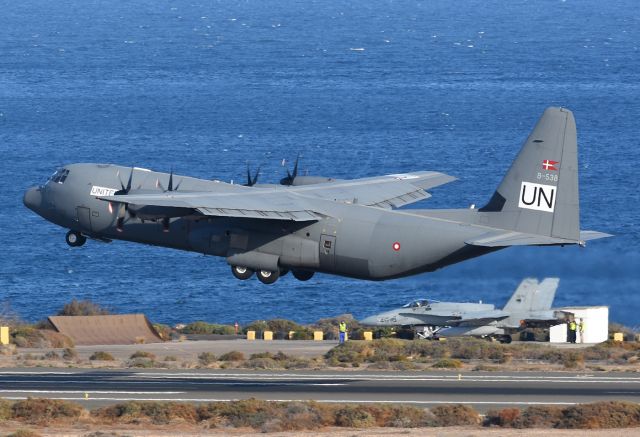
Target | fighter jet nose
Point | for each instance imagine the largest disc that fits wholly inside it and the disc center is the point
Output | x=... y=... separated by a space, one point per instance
x=32 y=198
x=368 y=321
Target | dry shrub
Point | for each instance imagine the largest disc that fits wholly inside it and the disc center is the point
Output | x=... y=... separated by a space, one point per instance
x=24 y=433
x=82 y=308
x=101 y=356
x=263 y=363
x=6 y=412
x=56 y=339
x=69 y=354
x=142 y=354
x=160 y=413
x=542 y=416
x=504 y=418
x=613 y=414
x=252 y=413
x=455 y=415
x=448 y=363
x=44 y=411
x=232 y=356
x=206 y=358
x=350 y=352
x=399 y=416
x=354 y=417
x=573 y=359
x=295 y=416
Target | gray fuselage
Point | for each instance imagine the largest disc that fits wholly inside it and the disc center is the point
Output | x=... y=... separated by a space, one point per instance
x=355 y=241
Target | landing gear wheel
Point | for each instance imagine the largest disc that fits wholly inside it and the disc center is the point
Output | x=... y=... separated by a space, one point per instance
x=75 y=239
x=242 y=273
x=505 y=339
x=267 y=276
x=302 y=275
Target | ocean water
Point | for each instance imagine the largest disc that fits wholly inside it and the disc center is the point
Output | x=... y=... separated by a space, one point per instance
x=207 y=86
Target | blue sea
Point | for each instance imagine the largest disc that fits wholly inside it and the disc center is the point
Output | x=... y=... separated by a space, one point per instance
x=357 y=88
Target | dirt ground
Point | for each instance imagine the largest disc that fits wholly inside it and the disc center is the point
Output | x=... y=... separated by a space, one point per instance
x=337 y=432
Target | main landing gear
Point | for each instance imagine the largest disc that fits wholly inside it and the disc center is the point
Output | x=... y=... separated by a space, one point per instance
x=75 y=239
x=269 y=276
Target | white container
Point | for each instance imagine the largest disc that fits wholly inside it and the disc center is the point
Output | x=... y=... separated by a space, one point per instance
x=596 y=322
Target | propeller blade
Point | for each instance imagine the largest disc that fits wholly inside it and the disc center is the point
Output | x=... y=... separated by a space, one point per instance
x=170 y=187
x=295 y=167
x=288 y=180
x=255 y=177
x=125 y=190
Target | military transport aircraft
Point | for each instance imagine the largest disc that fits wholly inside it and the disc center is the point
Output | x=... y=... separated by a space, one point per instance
x=345 y=227
x=529 y=307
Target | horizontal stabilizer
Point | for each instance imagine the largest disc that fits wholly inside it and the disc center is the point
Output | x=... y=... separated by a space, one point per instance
x=500 y=238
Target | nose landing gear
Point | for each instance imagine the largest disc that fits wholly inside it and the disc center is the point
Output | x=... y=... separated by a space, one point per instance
x=75 y=239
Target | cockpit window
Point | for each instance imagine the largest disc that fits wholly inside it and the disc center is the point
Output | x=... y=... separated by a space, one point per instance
x=60 y=176
x=417 y=304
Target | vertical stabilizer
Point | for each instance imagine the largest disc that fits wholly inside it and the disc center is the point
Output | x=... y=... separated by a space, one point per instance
x=533 y=296
x=539 y=194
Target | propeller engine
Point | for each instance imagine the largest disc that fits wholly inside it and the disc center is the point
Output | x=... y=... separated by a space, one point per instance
x=123 y=208
x=289 y=179
x=251 y=181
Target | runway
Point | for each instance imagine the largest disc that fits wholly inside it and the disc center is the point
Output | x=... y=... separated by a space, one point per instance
x=482 y=390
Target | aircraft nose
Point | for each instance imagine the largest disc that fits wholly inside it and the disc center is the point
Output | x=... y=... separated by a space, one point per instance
x=33 y=198
x=371 y=320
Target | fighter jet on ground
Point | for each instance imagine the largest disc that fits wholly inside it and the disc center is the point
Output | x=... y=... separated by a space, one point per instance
x=345 y=227
x=529 y=307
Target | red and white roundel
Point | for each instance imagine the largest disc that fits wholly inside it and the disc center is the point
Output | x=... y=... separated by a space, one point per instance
x=396 y=246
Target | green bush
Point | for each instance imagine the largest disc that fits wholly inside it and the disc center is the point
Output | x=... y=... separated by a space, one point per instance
x=43 y=411
x=232 y=356
x=208 y=328
x=101 y=356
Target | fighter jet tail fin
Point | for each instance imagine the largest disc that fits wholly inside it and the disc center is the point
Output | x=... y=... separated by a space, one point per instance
x=532 y=296
x=539 y=194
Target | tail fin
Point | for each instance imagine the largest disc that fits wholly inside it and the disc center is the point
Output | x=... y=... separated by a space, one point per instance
x=539 y=194
x=533 y=296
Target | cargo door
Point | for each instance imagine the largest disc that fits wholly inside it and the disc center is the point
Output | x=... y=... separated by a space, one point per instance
x=84 y=218
x=327 y=252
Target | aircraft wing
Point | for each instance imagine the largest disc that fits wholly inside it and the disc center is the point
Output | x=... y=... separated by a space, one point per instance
x=305 y=203
x=479 y=319
x=390 y=191
x=250 y=203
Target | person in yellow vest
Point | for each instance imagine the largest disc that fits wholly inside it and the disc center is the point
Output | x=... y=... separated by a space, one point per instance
x=343 y=331
x=572 y=331
x=581 y=327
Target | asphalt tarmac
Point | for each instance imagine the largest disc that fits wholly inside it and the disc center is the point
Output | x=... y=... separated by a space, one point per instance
x=482 y=390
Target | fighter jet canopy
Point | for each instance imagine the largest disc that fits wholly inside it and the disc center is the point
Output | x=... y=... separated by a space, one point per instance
x=417 y=303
